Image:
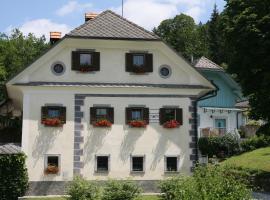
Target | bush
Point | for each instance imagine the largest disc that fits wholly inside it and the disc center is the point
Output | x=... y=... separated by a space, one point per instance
x=13 y=176
x=81 y=189
x=255 y=142
x=221 y=147
x=211 y=182
x=121 y=190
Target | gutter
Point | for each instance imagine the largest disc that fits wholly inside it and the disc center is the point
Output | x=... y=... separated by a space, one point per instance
x=208 y=95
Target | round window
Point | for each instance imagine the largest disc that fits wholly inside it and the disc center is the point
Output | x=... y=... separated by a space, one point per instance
x=165 y=71
x=58 y=68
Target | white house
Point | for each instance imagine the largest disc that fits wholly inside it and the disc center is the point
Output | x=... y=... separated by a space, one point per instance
x=108 y=100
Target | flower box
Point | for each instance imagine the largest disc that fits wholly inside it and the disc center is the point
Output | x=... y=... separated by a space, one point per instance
x=51 y=169
x=55 y=122
x=137 y=123
x=103 y=123
x=171 y=124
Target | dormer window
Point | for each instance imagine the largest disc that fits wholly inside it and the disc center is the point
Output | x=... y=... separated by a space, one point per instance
x=139 y=63
x=85 y=61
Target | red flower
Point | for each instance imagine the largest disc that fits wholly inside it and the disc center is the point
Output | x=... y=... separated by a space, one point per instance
x=52 y=122
x=51 y=169
x=171 y=124
x=137 y=123
x=103 y=123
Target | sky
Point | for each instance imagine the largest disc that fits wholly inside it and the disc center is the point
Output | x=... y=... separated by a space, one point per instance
x=40 y=16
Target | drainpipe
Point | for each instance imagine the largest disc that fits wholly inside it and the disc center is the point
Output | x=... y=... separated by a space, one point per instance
x=208 y=95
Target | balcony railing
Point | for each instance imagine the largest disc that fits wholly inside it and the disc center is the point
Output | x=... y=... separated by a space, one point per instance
x=208 y=132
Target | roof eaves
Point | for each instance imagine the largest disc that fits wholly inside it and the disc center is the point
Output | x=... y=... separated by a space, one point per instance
x=111 y=38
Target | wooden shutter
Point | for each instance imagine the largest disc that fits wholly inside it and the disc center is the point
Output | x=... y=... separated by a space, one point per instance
x=95 y=61
x=93 y=113
x=128 y=115
x=63 y=114
x=75 y=60
x=129 y=62
x=110 y=114
x=162 y=119
x=146 y=115
x=44 y=112
x=179 y=115
x=148 y=62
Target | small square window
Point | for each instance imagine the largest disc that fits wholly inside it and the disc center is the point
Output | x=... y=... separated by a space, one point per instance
x=52 y=165
x=170 y=114
x=85 y=59
x=102 y=163
x=138 y=60
x=101 y=113
x=137 y=114
x=171 y=163
x=137 y=163
x=53 y=113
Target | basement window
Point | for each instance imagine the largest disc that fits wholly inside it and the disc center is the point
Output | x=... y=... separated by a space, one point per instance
x=137 y=163
x=171 y=163
x=102 y=163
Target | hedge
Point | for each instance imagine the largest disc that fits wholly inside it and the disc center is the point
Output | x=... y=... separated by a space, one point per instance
x=13 y=176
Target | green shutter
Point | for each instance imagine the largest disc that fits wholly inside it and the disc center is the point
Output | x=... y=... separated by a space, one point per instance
x=128 y=115
x=162 y=119
x=148 y=62
x=44 y=112
x=63 y=114
x=93 y=115
x=75 y=60
x=111 y=114
x=146 y=115
x=179 y=115
x=95 y=61
x=129 y=62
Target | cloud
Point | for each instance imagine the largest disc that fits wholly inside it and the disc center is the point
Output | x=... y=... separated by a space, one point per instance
x=41 y=27
x=71 y=7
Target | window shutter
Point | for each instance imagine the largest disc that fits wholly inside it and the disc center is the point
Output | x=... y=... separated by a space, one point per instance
x=75 y=60
x=63 y=115
x=179 y=115
x=44 y=112
x=162 y=116
x=128 y=115
x=93 y=115
x=146 y=115
x=96 y=61
x=148 y=62
x=111 y=115
x=129 y=63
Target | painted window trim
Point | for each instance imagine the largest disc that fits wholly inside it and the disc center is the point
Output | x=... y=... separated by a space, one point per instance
x=46 y=163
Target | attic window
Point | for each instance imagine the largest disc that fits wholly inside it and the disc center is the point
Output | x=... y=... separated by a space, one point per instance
x=85 y=61
x=139 y=63
x=138 y=60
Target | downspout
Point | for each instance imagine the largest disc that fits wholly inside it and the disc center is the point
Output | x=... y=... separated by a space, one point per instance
x=208 y=95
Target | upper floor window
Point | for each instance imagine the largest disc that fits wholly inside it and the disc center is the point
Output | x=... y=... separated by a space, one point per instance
x=171 y=117
x=101 y=116
x=53 y=115
x=139 y=62
x=137 y=116
x=85 y=61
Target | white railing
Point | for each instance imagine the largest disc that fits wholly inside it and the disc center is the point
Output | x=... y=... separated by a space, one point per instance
x=207 y=132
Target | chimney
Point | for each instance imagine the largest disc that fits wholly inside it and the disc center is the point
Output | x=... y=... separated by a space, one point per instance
x=54 y=37
x=90 y=16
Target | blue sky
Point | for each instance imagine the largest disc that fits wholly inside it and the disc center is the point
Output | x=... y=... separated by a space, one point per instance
x=41 y=17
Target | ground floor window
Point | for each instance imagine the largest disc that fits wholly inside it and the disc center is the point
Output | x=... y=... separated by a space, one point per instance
x=102 y=163
x=171 y=163
x=137 y=163
x=52 y=164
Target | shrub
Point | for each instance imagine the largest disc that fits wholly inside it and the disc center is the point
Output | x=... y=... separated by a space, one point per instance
x=81 y=189
x=255 y=143
x=13 y=176
x=211 y=182
x=121 y=190
x=223 y=146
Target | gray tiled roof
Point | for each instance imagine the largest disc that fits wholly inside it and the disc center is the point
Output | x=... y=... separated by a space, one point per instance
x=135 y=85
x=242 y=104
x=205 y=63
x=10 y=148
x=110 y=25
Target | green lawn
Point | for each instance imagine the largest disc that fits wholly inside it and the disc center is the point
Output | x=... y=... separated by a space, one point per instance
x=255 y=160
x=58 y=198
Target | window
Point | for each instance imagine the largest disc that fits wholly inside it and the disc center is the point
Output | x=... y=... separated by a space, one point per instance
x=164 y=71
x=137 y=116
x=171 y=163
x=137 y=163
x=52 y=165
x=85 y=61
x=139 y=62
x=53 y=115
x=102 y=163
x=58 y=68
x=101 y=116
x=173 y=117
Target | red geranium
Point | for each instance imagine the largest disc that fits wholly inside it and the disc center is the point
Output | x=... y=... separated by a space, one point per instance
x=171 y=124
x=51 y=169
x=137 y=123
x=52 y=122
x=103 y=123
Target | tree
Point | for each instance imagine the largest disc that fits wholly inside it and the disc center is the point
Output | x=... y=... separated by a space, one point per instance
x=181 y=33
x=16 y=52
x=247 y=34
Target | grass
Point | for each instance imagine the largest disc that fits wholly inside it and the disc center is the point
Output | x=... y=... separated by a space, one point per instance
x=62 y=198
x=255 y=160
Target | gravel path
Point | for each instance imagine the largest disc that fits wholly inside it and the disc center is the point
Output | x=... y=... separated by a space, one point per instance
x=261 y=196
